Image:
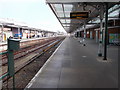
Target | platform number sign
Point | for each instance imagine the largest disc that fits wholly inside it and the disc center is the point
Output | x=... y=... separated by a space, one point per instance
x=79 y=15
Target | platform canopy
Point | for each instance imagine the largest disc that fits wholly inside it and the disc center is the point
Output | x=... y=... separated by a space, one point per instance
x=63 y=8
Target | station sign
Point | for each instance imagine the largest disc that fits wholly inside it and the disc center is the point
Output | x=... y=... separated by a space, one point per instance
x=79 y=15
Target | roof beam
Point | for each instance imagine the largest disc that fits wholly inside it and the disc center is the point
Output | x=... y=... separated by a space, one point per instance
x=77 y=1
x=55 y=14
x=70 y=23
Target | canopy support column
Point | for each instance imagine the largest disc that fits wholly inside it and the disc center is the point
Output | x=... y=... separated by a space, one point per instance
x=101 y=31
x=84 y=43
x=106 y=32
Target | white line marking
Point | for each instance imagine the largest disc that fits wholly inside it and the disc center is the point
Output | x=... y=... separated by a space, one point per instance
x=84 y=56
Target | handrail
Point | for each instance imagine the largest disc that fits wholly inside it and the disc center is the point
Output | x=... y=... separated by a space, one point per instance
x=3 y=53
x=3 y=76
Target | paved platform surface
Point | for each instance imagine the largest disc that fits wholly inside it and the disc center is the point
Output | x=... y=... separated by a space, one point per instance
x=76 y=66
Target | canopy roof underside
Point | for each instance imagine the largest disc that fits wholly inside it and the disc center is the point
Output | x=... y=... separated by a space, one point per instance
x=63 y=8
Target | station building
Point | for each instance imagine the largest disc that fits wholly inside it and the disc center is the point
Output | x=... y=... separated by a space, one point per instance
x=12 y=30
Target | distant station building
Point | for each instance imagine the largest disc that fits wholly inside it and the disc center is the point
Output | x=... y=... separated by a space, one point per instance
x=13 y=30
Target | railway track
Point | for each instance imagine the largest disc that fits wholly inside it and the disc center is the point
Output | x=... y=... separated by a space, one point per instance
x=27 y=49
x=37 y=50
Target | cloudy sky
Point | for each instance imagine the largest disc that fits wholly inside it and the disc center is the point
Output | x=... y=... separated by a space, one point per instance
x=35 y=13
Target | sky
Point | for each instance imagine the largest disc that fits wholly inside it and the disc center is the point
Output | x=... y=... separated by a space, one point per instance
x=35 y=13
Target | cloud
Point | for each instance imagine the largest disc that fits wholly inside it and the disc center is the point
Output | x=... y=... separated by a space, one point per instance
x=33 y=12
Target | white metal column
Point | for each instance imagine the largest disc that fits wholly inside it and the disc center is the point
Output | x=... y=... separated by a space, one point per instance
x=84 y=43
x=96 y=36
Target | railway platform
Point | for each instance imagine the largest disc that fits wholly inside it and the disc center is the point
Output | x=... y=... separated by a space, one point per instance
x=73 y=65
x=23 y=40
